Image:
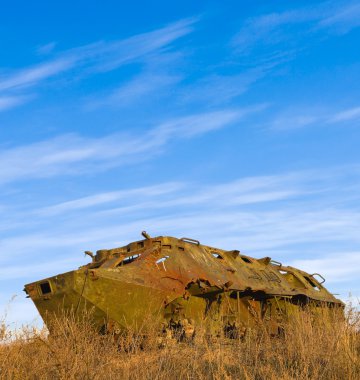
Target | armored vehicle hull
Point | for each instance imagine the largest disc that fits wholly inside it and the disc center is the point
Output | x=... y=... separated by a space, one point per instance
x=179 y=283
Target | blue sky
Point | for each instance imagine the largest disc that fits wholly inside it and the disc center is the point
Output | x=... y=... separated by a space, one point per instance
x=235 y=123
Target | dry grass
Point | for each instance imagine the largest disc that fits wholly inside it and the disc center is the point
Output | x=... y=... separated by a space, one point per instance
x=321 y=347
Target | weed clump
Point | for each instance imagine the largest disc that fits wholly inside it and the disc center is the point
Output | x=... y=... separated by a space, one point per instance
x=312 y=346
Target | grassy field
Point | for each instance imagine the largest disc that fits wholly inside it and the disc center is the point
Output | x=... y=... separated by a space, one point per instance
x=312 y=347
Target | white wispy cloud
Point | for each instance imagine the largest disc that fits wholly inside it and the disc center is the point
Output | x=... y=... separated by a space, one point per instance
x=338 y=267
x=137 y=89
x=220 y=89
x=244 y=191
x=46 y=48
x=110 y=197
x=38 y=269
x=7 y=102
x=109 y=56
x=253 y=231
x=306 y=117
x=273 y=28
x=266 y=29
x=34 y=75
x=194 y=125
x=343 y=19
x=72 y=154
x=96 y=57
x=297 y=211
x=345 y=115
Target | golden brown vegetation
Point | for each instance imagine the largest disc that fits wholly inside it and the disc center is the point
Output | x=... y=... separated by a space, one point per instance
x=312 y=347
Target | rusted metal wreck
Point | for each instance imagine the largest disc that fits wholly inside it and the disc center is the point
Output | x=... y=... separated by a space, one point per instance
x=179 y=283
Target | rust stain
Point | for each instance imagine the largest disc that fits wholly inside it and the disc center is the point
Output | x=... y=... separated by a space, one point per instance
x=183 y=280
